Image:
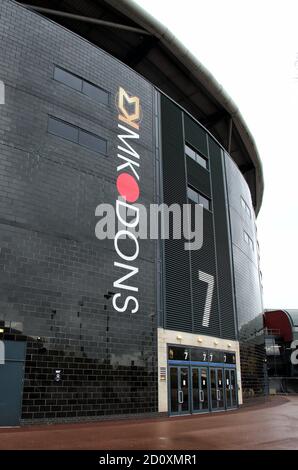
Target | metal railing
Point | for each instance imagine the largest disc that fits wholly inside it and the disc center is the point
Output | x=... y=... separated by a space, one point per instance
x=271 y=332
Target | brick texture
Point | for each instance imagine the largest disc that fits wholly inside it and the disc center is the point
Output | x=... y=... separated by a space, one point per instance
x=54 y=273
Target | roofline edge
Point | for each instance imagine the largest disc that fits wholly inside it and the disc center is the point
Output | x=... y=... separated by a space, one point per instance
x=149 y=22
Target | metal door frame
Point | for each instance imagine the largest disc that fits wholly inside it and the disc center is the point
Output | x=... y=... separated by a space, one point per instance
x=208 y=366
x=233 y=405
x=216 y=368
x=179 y=412
x=206 y=410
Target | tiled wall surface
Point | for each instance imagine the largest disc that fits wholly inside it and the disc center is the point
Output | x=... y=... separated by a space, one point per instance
x=54 y=271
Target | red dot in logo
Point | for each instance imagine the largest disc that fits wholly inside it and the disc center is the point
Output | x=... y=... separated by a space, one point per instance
x=128 y=187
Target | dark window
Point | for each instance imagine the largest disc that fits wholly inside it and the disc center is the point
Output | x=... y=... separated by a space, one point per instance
x=193 y=195
x=178 y=354
x=190 y=152
x=229 y=358
x=68 y=79
x=215 y=356
x=75 y=134
x=92 y=141
x=204 y=201
x=79 y=84
x=198 y=354
x=63 y=129
x=202 y=161
x=198 y=198
x=95 y=93
x=196 y=156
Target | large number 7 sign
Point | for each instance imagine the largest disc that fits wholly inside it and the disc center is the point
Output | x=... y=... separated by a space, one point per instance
x=209 y=279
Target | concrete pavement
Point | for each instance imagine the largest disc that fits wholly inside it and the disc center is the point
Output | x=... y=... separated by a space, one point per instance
x=267 y=425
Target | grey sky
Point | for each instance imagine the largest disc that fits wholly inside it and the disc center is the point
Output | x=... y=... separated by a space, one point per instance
x=251 y=47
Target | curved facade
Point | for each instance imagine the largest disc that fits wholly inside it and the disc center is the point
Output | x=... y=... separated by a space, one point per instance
x=99 y=327
x=248 y=286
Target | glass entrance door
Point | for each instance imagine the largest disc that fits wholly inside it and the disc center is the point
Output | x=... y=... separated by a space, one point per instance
x=201 y=380
x=230 y=387
x=200 y=389
x=179 y=390
x=217 y=389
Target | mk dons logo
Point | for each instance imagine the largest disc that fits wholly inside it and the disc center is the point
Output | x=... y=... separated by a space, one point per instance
x=128 y=188
x=129 y=109
x=127 y=221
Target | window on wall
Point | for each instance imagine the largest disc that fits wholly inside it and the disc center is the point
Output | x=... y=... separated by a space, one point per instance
x=77 y=135
x=248 y=239
x=245 y=207
x=198 y=198
x=196 y=156
x=79 y=84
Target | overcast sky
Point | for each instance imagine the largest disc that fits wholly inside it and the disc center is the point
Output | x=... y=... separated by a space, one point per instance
x=251 y=48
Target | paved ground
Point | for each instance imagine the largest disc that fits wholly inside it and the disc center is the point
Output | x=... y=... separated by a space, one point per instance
x=267 y=425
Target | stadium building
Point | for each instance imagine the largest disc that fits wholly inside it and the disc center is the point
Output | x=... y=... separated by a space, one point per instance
x=281 y=341
x=101 y=100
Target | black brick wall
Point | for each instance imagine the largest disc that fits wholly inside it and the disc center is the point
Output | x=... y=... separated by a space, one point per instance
x=54 y=273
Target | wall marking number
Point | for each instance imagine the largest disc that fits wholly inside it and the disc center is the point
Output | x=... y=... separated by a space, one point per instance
x=209 y=279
